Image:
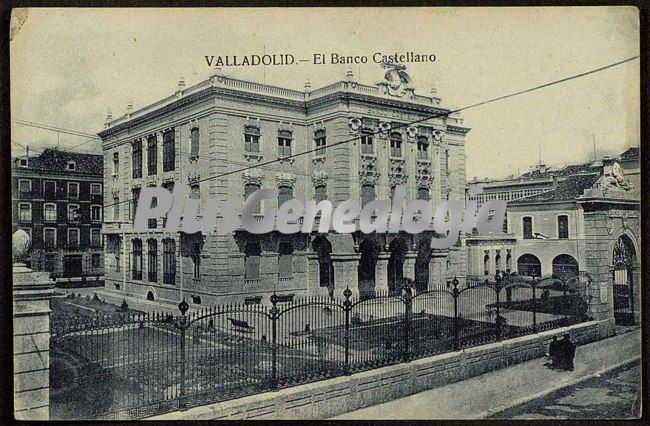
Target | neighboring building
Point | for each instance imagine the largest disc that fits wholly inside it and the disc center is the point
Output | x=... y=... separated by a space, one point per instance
x=556 y=232
x=222 y=125
x=57 y=198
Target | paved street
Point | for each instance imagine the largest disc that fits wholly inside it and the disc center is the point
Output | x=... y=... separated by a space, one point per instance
x=614 y=395
x=491 y=393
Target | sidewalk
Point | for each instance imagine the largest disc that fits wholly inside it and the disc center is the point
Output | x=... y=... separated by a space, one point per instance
x=496 y=391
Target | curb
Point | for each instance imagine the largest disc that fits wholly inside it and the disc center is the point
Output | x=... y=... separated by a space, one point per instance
x=556 y=388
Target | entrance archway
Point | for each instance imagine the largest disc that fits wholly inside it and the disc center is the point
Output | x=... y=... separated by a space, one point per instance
x=565 y=267
x=529 y=265
x=623 y=261
x=150 y=296
x=323 y=248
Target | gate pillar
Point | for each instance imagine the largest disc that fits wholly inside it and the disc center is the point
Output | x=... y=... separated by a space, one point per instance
x=31 y=319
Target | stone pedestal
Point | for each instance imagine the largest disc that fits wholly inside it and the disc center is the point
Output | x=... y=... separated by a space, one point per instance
x=437 y=270
x=381 y=272
x=346 y=274
x=31 y=293
x=409 y=265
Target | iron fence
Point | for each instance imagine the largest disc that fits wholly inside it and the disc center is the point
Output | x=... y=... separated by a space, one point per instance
x=137 y=365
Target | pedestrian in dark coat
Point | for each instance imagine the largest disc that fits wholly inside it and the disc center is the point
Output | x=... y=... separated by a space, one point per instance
x=567 y=351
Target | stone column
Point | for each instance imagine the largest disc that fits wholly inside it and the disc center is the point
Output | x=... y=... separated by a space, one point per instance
x=31 y=317
x=437 y=275
x=346 y=274
x=409 y=265
x=381 y=272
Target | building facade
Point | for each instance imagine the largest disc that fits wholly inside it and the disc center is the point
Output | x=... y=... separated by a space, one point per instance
x=57 y=198
x=213 y=137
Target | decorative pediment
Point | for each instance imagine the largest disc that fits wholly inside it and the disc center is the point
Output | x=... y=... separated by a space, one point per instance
x=252 y=176
x=396 y=81
x=285 y=179
x=320 y=178
x=355 y=123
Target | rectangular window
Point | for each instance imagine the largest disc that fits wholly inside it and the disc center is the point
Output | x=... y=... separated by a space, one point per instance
x=95 y=261
x=249 y=188
x=49 y=238
x=49 y=212
x=24 y=186
x=423 y=148
x=135 y=196
x=396 y=146
x=116 y=163
x=137 y=159
x=96 y=213
x=194 y=142
x=152 y=155
x=95 y=237
x=367 y=193
x=49 y=189
x=563 y=227
x=73 y=190
x=25 y=212
x=527 y=224
x=152 y=260
x=169 y=261
x=285 y=193
x=320 y=141
x=136 y=269
x=423 y=193
x=153 y=223
x=117 y=251
x=74 y=214
x=284 y=147
x=251 y=143
x=321 y=193
x=366 y=144
x=73 y=237
x=169 y=153
x=95 y=189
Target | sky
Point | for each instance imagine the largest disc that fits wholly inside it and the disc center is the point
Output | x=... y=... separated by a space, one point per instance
x=69 y=66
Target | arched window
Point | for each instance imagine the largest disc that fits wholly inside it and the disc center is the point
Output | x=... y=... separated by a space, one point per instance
x=285 y=193
x=367 y=193
x=529 y=265
x=565 y=266
x=486 y=263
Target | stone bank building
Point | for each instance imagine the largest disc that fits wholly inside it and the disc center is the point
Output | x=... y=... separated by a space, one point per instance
x=223 y=125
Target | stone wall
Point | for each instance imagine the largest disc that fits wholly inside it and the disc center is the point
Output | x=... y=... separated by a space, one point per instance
x=332 y=397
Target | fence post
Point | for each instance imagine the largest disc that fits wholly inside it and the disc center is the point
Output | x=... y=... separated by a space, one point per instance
x=347 y=305
x=534 y=286
x=274 y=332
x=455 y=293
x=497 y=287
x=182 y=401
x=408 y=297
